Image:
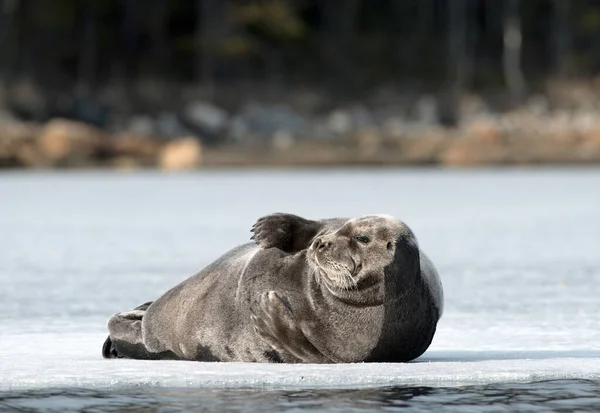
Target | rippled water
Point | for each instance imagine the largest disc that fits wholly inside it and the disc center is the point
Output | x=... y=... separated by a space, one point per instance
x=558 y=395
x=517 y=251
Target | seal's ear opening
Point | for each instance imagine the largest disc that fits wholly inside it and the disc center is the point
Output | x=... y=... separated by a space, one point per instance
x=390 y=245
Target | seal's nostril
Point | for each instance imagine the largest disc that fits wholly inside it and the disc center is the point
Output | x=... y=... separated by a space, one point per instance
x=324 y=245
x=319 y=244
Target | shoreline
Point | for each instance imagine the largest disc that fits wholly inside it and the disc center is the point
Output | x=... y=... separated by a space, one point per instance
x=65 y=144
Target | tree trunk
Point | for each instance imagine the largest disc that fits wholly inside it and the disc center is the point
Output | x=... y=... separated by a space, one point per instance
x=456 y=62
x=8 y=11
x=561 y=37
x=87 y=59
x=513 y=74
x=130 y=35
x=337 y=32
x=212 y=26
x=161 y=52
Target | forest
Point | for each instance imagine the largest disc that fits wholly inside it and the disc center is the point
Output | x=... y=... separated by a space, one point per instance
x=247 y=71
x=342 y=46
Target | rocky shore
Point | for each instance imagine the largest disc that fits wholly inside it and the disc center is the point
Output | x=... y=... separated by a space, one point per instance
x=276 y=135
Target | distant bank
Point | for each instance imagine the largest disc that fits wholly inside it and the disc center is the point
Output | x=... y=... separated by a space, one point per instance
x=63 y=143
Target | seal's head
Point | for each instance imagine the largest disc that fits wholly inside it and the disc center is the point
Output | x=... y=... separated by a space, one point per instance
x=362 y=251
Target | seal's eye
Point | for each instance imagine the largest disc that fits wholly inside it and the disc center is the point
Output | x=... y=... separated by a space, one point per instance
x=389 y=245
x=363 y=239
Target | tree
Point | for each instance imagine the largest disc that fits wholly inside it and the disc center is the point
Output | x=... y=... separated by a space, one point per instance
x=513 y=74
x=456 y=61
x=561 y=37
x=88 y=51
x=8 y=9
x=211 y=27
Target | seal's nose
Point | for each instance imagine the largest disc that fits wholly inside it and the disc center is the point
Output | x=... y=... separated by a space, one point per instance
x=320 y=245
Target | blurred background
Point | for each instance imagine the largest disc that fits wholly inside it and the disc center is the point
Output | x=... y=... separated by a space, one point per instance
x=180 y=84
x=213 y=85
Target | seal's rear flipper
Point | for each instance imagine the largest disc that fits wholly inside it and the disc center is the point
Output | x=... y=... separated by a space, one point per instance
x=126 y=341
x=108 y=350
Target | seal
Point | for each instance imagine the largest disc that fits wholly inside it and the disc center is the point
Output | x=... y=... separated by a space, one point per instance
x=305 y=291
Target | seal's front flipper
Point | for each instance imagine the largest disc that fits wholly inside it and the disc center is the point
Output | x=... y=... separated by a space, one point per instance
x=287 y=232
x=274 y=322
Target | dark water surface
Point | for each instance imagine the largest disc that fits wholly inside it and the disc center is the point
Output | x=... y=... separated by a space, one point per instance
x=555 y=395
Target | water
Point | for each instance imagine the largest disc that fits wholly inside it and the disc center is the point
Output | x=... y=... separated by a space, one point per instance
x=517 y=251
x=561 y=395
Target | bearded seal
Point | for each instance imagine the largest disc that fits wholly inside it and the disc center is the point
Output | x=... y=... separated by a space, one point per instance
x=305 y=291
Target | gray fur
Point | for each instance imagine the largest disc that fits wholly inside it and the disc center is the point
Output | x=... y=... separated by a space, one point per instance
x=305 y=291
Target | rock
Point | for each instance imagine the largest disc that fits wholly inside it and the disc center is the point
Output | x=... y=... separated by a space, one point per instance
x=470 y=152
x=426 y=148
x=339 y=122
x=18 y=144
x=130 y=145
x=142 y=125
x=269 y=120
x=590 y=145
x=168 y=125
x=283 y=140
x=28 y=155
x=538 y=106
x=483 y=130
x=85 y=110
x=256 y=122
x=239 y=130
x=362 y=118
x=473 y=106
x=427 y=110
x=368 y=142
x=591 y=138
x=126 y=163
x=65 y=141
x=205 y=119
x=394 y=128
x=180 y=154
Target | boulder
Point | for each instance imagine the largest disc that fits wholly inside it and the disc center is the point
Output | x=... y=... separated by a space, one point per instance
x=206 y=120
x=368 y=142
x=17 y=144
x=339 y=122
x=133 y=149
x=426 y=148
x=483 y=130
x=471 y=152
x=256 y=123
x=66 y=142
x=181 y=154
x=142 y=125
